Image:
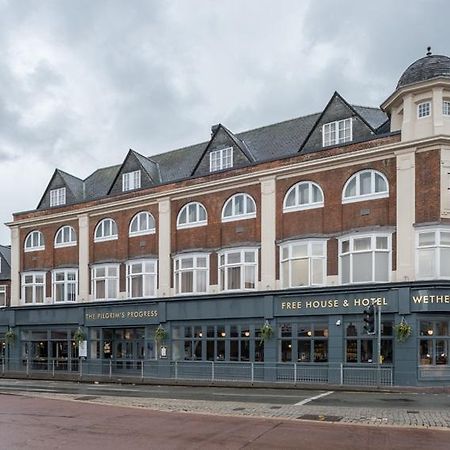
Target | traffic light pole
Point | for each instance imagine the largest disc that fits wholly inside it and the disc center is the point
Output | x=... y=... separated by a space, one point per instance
x=378 y=318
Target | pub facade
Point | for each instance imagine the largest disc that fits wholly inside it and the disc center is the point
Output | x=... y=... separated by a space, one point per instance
x=263 y=247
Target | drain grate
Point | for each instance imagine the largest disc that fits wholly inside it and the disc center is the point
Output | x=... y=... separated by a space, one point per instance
x=275 y=407
x=238 y=409
x=413 y=412
x=86 y=397
x=320 y=418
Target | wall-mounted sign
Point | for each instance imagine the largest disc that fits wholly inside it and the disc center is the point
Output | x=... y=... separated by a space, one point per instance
x=82 y=349
x=339 y=304
x=430 y=300
x=121 y=315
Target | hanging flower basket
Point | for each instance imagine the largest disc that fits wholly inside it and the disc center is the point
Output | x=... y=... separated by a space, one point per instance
x=266 y=332
x=10 y=336
x=79 y=336
x=402 y=330
x=161 y=334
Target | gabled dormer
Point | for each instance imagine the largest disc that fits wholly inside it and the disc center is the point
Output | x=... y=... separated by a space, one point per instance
x=339 y=124
x=63 y=189
x=136 y=172
x=224 y=151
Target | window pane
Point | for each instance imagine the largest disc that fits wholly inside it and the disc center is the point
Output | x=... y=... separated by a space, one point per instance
x=426 y=262
x=445 y=262
x=137 y=286
x=345 y=246
x=290 y=199
x=303 y=192
x=426 y=352
x=304 y=351
x=426 y=239
x=201 y=281
x=234 y=278
x=362 y=267
x=345 y=267
x=361 y=244
x=239 y=204
x=445 y=238
x=250 y=206
x=299 y=250
x=250 y=278
x=382 y=243
x=321 y=350
x=300 y=275
x=317 y=271
x=380 y=183
x=285 y=273
x=365 y=180
x=317 y=194
x=234 y=258
x=352 y=351
x=228 y=212
x=249 y=257
x=381 y=266
x=187 y=282
x=366 y=350
x=100 y=289
x=318 y=249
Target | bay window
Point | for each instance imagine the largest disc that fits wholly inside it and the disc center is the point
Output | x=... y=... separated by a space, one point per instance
x=238 y=269
x=365 y=258
x=191 y=273
x=33 y=288
x=141 y=278
x=303 y=263
x=433 y=253
x=105 y=282
x=65 y=285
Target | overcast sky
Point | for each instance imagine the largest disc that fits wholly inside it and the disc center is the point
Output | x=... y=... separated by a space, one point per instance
x=83 y=81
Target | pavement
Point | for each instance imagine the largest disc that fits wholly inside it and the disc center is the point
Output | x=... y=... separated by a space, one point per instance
x=420 y=410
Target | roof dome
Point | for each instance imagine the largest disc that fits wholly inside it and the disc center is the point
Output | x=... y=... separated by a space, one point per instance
x=426 y=68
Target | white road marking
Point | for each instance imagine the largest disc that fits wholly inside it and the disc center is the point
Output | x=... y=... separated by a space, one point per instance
x=310 y=399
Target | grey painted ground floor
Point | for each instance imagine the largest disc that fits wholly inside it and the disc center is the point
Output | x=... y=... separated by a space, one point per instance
x=310 y=335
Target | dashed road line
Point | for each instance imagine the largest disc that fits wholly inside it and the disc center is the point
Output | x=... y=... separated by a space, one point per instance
x=310 y=399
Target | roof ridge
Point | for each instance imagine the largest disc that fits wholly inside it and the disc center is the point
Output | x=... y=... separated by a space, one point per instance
x=368 y=107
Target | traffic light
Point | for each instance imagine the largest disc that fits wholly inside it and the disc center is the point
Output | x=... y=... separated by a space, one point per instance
x=369 y=320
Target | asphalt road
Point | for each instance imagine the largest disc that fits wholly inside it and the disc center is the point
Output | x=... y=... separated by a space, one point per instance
x=42 y=423
x=411 y=401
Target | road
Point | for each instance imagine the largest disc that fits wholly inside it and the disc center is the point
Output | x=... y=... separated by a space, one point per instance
x=41 y=423
x=409 y=401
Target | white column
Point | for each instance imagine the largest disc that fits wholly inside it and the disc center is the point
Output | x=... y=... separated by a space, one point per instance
x=406 y=212
x=15 y=266
x=438 y=117
x=268 y=232
x=164 y=230
x=83 y=257
x=409 y=118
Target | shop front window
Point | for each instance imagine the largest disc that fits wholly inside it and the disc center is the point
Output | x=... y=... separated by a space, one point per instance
x=303 y=342
x=362 y=348
x=434 y=342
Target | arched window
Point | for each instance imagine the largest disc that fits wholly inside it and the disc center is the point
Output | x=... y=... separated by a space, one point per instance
x=106 y=230
x=142 y=223
x=65 y=237
x=34 y=241
x=365 y=185
x=192 y=215
x=303 y=195
x=237 y=207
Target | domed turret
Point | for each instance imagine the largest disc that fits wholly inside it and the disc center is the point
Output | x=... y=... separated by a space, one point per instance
x=420 y=105
x=426 y=68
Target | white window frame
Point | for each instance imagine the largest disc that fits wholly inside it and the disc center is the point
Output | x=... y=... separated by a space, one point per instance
x=58 y=197
x=36 y=238
x=423 y=107
x=302 y=206
x=310 y=257
x=3 y=291
x=178 y=271
x=143 y=273
x=246 y=215
x=148 y=218
x=221 y=159
x=373 y=249
x=72 y=237
x=195 y=223
x=131 y=180
x=34 y=285
x=331 y=130
x=242 y=264
x=437 y=248
x=101 y=226
x=362 y=197
x=66 y=283
x=114 y=280
x=446 y=107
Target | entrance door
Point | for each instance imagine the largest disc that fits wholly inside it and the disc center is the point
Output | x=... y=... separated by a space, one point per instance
x=125 y=346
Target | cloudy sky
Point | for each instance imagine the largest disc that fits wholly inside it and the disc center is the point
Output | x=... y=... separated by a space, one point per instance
x=83 y=81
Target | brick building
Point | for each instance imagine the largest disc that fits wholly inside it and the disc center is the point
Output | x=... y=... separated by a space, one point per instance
x=295 y=227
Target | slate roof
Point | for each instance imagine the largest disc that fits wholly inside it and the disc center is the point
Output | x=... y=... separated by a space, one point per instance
x=426 y=68
x=5 y=253
x=266 y=143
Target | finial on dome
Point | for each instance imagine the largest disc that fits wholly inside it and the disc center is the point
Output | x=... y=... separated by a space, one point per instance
x=428 y=51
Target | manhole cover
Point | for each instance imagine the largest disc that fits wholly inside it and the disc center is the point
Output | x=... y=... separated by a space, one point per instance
x=320 y=418
x=86 y=397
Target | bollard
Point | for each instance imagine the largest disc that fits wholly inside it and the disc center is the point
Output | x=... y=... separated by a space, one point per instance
x=110 y=368
x=295 y=374
x=212 y=370
x=252 y=371
x=176 y=370
x=53 y=368
x=142 y=370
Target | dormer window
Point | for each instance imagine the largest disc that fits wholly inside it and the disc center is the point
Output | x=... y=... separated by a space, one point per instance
x=131 y=180
x=221 y=159
x=446 y=108
x=337 y=132
x=423 y=110
x=58 y=197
